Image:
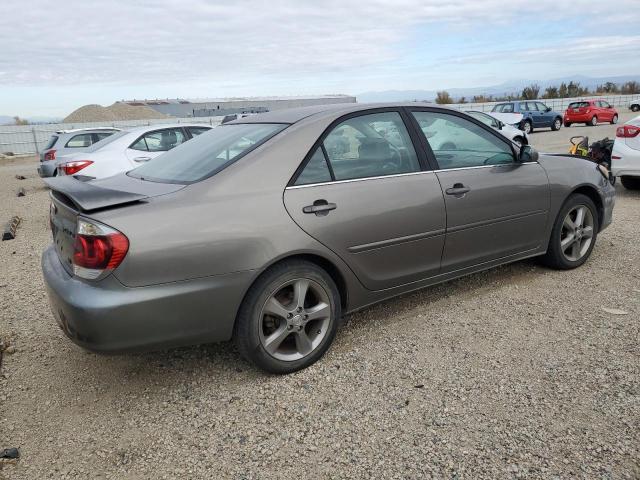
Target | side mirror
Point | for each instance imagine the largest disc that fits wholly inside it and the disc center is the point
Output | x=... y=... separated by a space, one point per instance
x=500 y=125
x=548 y=109
x=528 y=154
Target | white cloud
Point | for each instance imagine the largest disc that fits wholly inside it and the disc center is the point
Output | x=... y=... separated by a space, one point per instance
x=164 y=41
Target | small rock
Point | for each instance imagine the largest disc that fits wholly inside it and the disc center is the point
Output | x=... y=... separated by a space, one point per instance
x=615 y=311
x=10 y=453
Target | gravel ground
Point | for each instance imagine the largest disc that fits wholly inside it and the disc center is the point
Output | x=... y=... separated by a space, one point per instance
x=516 y=372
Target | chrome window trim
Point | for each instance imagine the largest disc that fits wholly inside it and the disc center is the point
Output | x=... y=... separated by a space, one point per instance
x=293 y=187
x=350 y=180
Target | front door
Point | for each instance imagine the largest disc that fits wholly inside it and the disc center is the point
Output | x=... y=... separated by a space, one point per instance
x=496 y=206
x=154 y=143
x=364 y=194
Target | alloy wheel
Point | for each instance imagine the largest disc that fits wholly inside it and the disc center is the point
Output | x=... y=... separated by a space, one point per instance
x=577 y=233
x=295 y=319
x=526 y=128
x=557 y=124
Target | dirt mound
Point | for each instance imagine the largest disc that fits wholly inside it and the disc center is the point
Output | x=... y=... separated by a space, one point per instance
x=117 y=111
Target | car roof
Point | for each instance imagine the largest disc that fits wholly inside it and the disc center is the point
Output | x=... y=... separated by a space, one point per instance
x=294 y=115
x=162 y=126
x=92 y=129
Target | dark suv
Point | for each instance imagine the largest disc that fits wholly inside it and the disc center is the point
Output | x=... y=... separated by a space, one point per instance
x=535 y=114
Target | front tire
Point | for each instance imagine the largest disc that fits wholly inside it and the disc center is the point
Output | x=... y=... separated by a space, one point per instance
x=567 y=124
x=630 y=183
x=635 y=108
x=288 y=318
x=574 y=234
x=556 y=125
x=594 y=121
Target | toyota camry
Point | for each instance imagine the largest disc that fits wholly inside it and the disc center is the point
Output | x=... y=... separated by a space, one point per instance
x=268 y=229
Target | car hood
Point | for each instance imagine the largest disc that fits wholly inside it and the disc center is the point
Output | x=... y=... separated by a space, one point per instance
x=118 y=190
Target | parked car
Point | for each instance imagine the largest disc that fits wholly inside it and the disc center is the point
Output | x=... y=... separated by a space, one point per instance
x=535 y=114
x=127 y=149
x=64 y=142
x=635 y=106
x=261 y=231
x=625 y=156
x=511 y=131
x=590 y=112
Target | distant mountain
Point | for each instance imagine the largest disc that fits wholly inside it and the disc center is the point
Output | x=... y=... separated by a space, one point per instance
x=506 y=88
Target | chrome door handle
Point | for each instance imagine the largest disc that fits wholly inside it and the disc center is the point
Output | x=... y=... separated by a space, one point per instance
x=142 y=159
x=320 y=208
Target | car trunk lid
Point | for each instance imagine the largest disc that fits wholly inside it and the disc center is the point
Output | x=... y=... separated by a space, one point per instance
x=71 y=197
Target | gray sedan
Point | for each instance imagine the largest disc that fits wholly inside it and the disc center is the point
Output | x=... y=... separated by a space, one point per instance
x=270 y=228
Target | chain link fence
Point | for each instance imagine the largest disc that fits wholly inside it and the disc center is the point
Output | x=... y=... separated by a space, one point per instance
x=31 y=139
x=557 y=104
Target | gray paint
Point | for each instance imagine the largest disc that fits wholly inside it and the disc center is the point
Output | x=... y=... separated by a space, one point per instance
x=212 y=239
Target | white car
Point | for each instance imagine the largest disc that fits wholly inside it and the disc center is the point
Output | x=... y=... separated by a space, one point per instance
x=505 y=123
x=625 y=156
x=126 y=150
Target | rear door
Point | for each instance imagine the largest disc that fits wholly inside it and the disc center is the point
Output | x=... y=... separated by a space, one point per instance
x=496 y=206
x=365 y=193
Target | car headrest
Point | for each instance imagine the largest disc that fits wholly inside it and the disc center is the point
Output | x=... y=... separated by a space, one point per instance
x=374 y=149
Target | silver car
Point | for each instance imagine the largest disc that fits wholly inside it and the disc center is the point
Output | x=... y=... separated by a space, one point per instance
x=270 y=228
x=64 y=142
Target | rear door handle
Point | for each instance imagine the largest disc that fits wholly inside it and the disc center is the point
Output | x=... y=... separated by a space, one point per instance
x=320 y=208
x=142 y=159
x=458 y=189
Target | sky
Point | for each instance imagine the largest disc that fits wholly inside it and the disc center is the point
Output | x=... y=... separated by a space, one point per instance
x=57 y=56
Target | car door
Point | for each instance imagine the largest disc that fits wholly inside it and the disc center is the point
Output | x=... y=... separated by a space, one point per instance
x=605 y=112
x=154 y=143
x=497 y=207
x=365 y=193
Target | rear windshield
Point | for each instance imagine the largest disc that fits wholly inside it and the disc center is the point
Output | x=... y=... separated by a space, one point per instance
x=579 y=105
x=52 y=141
x=503 y=108
x=206 y=154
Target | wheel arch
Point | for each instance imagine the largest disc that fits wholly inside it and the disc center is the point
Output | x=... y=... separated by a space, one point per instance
x=591 y=192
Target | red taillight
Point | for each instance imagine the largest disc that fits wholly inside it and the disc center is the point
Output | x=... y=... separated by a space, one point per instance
x=97 y=249
x=50 y=155
x=627 y=131
x=72 y=168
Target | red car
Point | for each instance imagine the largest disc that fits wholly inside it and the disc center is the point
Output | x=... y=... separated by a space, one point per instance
x=590 y=112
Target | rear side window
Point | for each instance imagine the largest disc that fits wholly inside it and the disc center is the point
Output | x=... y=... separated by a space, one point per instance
x=206 y=155
x=371 y=145
x=316 y=170
x=160 y=140
x=101 y=136
x=79 y=141
x=52 y=141
x=195 y=131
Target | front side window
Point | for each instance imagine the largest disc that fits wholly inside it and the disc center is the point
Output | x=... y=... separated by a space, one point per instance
x=79 y=141
x=206 y=155
x=541 y=107
x=458 y=143
x=486 y=119
x=604 y=104
x=370 y=145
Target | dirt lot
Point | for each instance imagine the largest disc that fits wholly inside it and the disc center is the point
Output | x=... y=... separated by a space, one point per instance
x=517 y=372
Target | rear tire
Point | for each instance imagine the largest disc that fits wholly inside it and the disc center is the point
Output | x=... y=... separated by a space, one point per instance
x=556 y=125
x=635 y=108
x=527 y=127
x=594 y=121
x=614 y=120
x=568 y=230
x=630 y=183
x=288 y=318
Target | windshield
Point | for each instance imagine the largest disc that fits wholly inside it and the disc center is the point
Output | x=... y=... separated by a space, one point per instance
x=206 y=154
